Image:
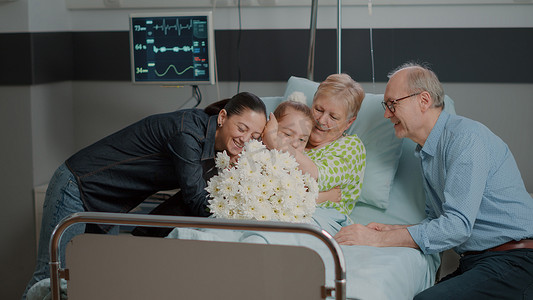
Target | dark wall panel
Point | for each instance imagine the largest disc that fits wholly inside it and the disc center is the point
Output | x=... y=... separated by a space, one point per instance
x=457 y=55
x=101 y=56
x=261 y=55
x=52 y=57
x=15 y=59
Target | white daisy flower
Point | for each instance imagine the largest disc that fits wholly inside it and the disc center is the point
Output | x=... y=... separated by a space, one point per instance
x=263 y=185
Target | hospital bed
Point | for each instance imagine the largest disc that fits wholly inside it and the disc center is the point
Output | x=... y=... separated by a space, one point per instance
x=128 y=267
x=392 y=193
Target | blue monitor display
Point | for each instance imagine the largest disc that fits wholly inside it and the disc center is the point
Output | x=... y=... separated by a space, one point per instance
x=172 y=48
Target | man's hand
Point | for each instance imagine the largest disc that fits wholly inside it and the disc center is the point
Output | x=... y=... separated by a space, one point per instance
x=384 y=227
x=358 y=234
x=377 y=235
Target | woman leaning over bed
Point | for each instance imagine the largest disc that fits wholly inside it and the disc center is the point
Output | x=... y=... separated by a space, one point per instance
x=335 y=159
x=161 y=152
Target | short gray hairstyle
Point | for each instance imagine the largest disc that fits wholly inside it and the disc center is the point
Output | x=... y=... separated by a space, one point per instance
x=421 y=78
x=342 y=87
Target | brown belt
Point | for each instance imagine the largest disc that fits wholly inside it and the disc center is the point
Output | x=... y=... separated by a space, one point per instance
x=522 y=244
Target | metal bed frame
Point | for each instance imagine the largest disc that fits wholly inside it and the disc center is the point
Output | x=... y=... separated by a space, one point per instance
x=57 y=272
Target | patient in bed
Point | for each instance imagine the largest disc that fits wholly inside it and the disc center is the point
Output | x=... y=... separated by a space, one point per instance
x=293 y=123
x=338 y=159
x=335 y=159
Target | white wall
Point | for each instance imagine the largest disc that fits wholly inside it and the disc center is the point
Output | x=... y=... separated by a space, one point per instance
x=411 y=16
x=37 y=134
x=36 y=130
x=49 y=15
x=52 y=128
x=34 y=16
x=114 y=105
x=16 y=232
x=14 y=16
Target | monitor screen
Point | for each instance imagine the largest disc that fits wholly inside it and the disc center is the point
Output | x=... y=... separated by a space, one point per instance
x=172 y=48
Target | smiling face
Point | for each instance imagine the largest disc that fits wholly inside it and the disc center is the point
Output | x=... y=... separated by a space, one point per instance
x=294 y=128
x=408 y=117
x=236 y=130
x=396 y=88
x=331 y=116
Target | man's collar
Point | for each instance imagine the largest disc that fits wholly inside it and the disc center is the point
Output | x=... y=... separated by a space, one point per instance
x=430 y=146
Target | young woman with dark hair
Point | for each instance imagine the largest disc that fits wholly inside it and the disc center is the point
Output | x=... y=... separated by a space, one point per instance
x=166 y=151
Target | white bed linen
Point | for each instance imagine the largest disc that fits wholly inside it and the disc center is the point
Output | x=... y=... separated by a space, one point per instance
x=372 y=273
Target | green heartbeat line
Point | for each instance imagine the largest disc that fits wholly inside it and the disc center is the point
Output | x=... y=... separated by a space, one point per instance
x=175 y=70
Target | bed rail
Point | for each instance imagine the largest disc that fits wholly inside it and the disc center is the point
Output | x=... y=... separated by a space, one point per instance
x=172 y=221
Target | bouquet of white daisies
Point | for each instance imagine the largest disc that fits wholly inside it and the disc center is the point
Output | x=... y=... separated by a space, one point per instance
x=262 y=185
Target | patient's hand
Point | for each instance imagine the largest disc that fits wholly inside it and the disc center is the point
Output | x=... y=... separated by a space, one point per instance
x=333 y=195
x=270 y=133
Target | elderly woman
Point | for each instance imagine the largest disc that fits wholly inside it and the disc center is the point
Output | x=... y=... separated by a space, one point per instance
x=335 y=159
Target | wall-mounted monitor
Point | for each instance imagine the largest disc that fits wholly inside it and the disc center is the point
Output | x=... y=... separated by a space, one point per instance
x=172 y=48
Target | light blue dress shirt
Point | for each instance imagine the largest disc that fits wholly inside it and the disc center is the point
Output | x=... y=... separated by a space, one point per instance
x=475 y=195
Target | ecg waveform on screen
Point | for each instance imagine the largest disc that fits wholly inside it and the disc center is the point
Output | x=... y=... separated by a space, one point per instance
x=178 y=27
x=173 y=49
x=175 y=70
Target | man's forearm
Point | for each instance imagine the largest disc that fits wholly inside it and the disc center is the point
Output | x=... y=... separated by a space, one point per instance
x=398 y=238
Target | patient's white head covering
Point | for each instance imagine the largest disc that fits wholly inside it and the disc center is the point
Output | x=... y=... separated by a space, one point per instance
x=297 y=97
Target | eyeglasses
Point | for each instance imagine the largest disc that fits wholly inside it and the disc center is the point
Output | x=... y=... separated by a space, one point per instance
x=392 y=102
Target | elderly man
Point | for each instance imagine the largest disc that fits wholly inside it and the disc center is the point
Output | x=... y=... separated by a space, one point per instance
x=476 y=201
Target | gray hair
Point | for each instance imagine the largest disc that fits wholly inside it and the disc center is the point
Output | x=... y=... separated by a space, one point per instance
x=421 y=78
x=344 y=88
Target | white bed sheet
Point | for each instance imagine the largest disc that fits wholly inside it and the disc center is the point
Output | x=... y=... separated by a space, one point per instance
x=372 y=273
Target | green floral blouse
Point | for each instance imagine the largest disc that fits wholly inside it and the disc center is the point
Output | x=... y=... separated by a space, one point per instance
x=341 y=163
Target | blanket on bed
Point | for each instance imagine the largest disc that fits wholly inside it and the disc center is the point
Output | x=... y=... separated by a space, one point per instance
x=371 y=272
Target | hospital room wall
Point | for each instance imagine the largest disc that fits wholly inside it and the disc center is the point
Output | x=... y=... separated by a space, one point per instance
x=36 y=129
x=42 y=124
x=502 y=106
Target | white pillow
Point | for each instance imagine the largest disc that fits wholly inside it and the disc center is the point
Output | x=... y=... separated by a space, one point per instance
x=305 y=86
x=383 y=149
x=271 y=103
